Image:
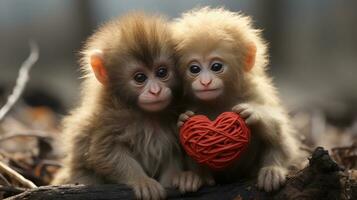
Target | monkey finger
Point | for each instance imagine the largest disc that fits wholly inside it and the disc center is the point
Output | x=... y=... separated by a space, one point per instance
x=189 y=181
x=196 y=183
x=175 y=181
x=282 y=179
x=154 y=192
x=275 y=180
x=159 y=190
x=240 y=107
x=182 y=183
x=162 y=192
x=137 y=192
x=261 y=178
x=144 y=192
x=189 y=113
x=246 y=113
x=268 y=181
x=179 y=124
x=251 y=120
x=183 y=117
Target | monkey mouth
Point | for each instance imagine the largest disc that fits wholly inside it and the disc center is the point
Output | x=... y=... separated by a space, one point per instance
x=208 y=94
x=208 y=90
x=153 y=106
x=154 y=102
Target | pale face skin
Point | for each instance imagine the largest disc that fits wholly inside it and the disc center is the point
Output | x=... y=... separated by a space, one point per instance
x=206 y=70
x=151 y=85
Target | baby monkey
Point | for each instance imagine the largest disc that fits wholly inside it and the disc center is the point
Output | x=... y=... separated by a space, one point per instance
x=124 y=130
x=222 y=60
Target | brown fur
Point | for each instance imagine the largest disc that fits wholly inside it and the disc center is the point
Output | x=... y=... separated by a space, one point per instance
x=110 y=140
x=273 y=146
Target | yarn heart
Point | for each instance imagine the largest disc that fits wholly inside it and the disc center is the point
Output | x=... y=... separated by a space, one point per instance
x=217 y=143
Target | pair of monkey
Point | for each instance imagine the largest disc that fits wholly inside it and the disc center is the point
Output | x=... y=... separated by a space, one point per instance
x=141 y=72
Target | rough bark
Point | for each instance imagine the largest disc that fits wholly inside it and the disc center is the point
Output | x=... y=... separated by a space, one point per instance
x=322 y=179
x=109 y=192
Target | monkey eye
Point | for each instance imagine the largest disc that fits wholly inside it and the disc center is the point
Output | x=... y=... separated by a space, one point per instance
x=217 y=67
x=140 y=78
x=195 y=69
x=162 y=72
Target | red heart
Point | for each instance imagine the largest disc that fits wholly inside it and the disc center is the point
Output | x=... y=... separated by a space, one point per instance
x=216 y=144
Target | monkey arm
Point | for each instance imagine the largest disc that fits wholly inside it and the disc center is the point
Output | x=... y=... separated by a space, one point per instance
x=280 y=146
x=114 y=161
x=110 y=157
x=268 y=122
x=271 y=125
x=276 y=131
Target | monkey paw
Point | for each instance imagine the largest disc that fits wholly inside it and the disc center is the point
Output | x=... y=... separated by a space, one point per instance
x=189 y=181
x=248 y=112
x=147 y=188
x=271 y=178
x=183 y=117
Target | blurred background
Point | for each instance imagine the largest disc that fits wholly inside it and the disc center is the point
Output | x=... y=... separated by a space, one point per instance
x=313 y=47
x=313 y=50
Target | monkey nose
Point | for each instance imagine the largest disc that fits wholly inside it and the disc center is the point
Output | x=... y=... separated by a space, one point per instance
x=206 y=82
x=155 y=91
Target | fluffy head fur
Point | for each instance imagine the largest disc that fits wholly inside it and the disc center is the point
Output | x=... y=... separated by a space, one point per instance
x=207 y=29
x=135 y=39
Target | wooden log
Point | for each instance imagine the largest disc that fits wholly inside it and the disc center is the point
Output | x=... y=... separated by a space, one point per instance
x=321 y=179
x=111 y=192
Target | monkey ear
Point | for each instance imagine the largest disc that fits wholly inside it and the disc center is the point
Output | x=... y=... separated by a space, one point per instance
x=250 y=58
x=97 y=64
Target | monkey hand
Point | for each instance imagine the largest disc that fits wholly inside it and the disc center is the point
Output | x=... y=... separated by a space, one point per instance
x=248 y=112
x=183 y=117
x=189 y=181
x=147 y=188
x=271 y=178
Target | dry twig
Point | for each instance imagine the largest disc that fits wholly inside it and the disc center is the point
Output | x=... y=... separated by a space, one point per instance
x=4 y=180
x=28 y=135
x=21 y=80
x=16 y=176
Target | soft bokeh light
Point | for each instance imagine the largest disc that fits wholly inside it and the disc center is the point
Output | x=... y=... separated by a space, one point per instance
x=312 y=43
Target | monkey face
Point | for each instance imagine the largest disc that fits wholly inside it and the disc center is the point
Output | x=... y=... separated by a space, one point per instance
x=206 y=75
x=152 y=86
x=149 y=85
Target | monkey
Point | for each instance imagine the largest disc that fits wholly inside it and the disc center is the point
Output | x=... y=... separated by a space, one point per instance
x=124 y=129
x=223 y=61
